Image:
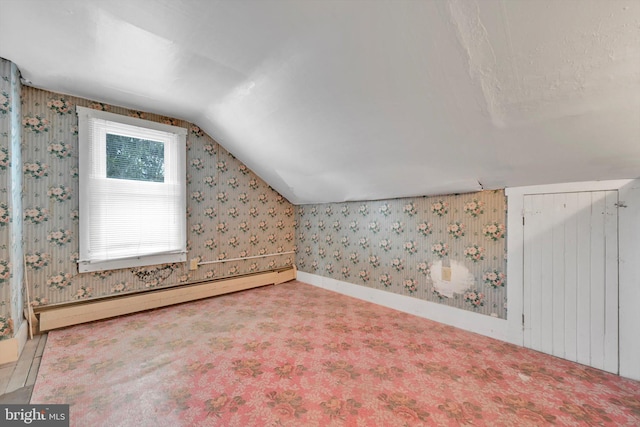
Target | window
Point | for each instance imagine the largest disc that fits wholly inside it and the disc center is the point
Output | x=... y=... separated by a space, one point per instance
x=132 y=192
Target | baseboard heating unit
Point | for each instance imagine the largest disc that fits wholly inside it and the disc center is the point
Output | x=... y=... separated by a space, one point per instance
x=67 y=314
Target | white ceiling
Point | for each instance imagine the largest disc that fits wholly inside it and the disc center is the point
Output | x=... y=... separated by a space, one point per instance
x=350 y=100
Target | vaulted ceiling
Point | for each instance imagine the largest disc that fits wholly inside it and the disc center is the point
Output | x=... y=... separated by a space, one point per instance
x=352 y=100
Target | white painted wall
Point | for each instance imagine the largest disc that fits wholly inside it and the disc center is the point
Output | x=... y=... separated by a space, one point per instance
x=629 y=278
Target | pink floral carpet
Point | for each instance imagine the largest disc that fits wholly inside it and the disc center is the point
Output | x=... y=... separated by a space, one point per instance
x=297 y=355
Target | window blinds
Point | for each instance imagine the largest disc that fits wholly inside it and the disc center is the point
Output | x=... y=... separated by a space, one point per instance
x=130 y=222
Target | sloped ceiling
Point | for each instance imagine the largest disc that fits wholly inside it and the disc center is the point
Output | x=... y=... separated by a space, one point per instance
x=350 y=100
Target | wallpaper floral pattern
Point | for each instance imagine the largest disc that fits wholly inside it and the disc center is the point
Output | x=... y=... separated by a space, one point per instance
x=401 y=246
x=391 y=245
x=11 y=267
x=231 y=213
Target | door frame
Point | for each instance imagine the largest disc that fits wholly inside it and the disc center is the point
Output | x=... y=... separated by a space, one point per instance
x=515 y=246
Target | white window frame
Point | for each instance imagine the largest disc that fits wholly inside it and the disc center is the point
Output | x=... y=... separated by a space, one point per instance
x=93 y=126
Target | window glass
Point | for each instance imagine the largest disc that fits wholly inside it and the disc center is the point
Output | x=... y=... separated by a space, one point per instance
x=134 y=158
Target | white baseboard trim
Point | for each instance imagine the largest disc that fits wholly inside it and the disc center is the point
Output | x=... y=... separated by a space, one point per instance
x=11 y=349
x=473 y=322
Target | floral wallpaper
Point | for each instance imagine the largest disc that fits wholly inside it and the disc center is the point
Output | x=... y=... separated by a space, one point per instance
x=11 y=266
x=404 y=246
x=231 y=213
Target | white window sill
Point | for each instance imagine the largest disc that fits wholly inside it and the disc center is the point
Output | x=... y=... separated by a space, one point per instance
x=142 y=261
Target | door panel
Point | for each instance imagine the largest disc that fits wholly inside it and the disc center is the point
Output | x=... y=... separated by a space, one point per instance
x=571 y=276
x=612 y=303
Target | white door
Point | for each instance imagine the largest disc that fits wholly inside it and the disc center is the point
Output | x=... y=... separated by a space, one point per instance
x=571 y=276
